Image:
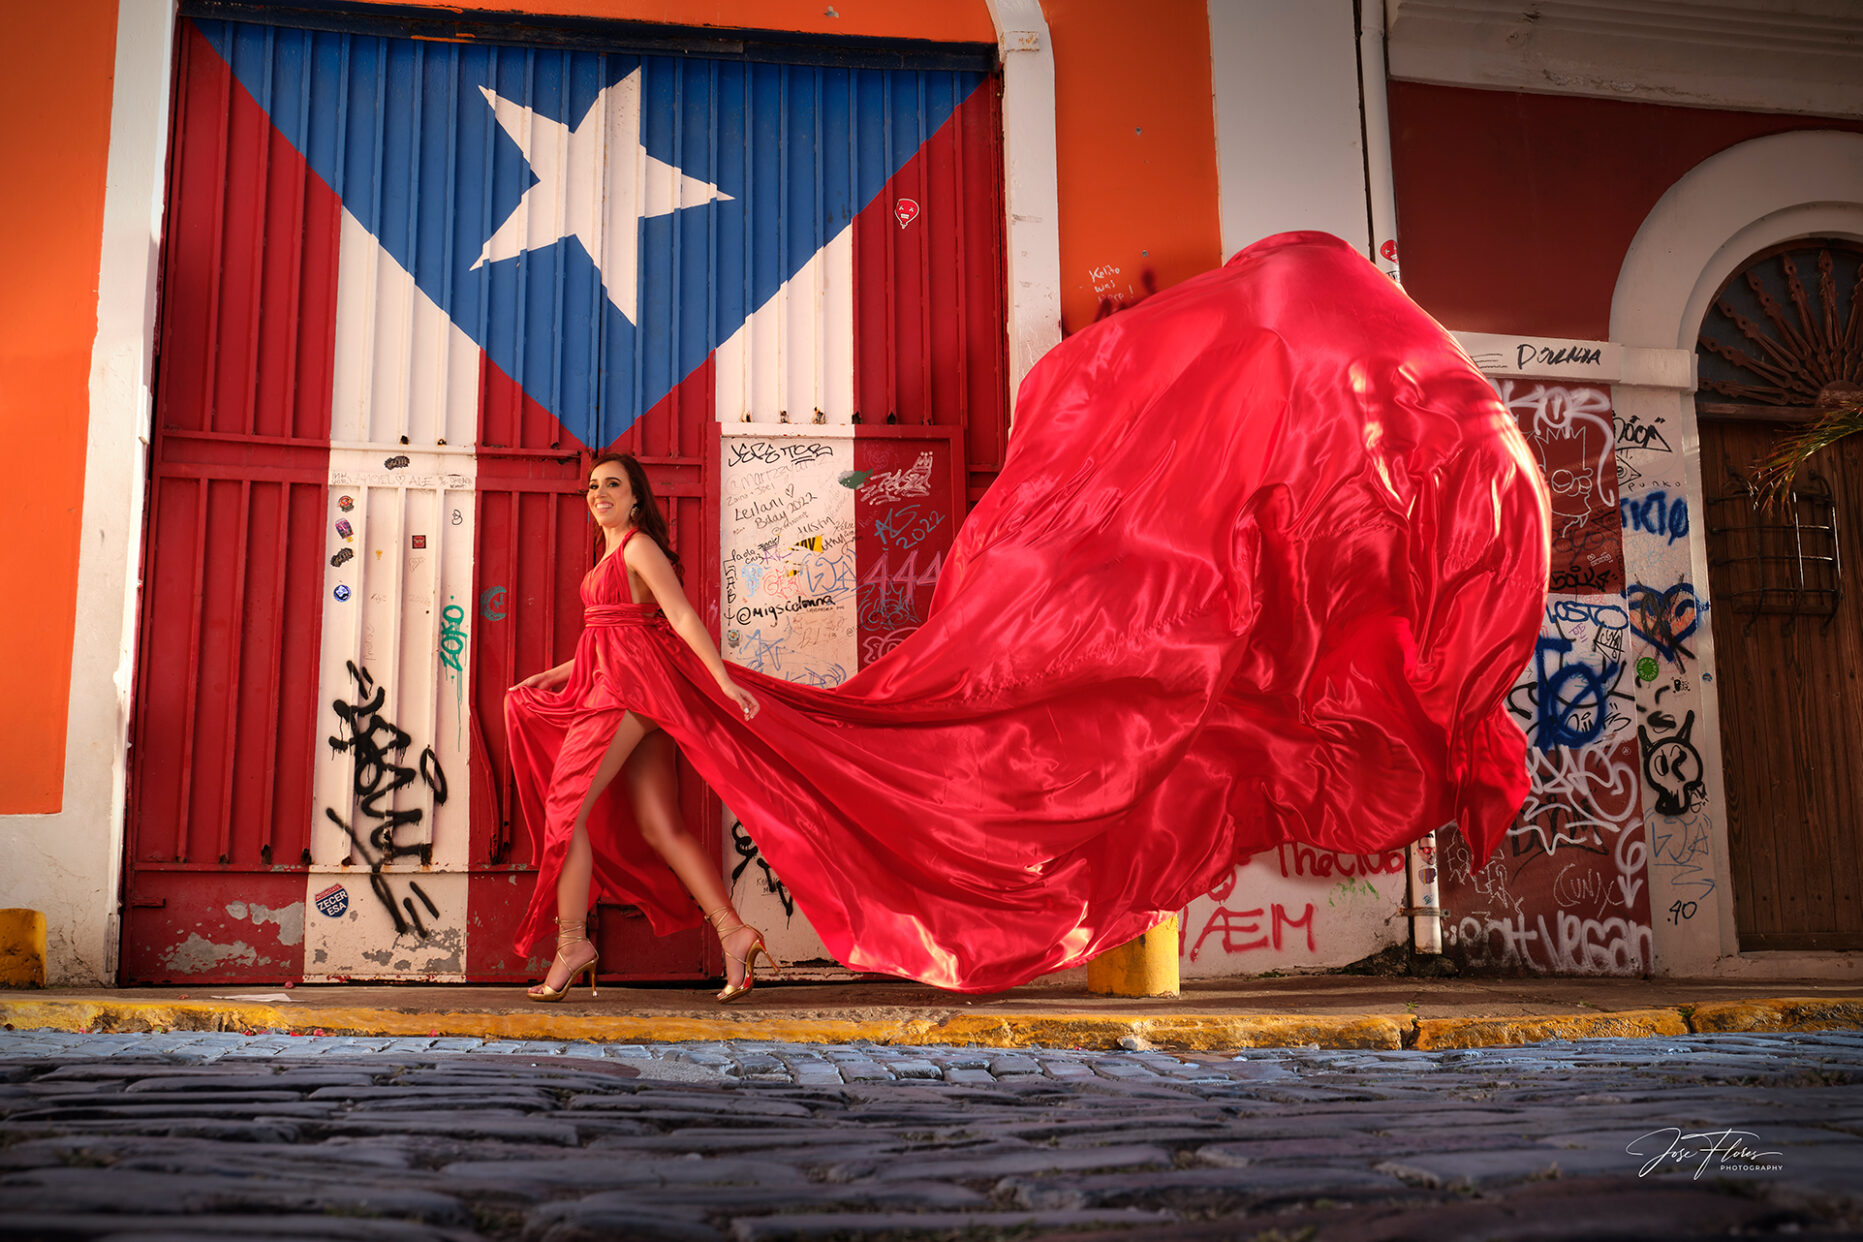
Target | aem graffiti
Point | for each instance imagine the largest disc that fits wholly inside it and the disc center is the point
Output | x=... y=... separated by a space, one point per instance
x=1242 y=931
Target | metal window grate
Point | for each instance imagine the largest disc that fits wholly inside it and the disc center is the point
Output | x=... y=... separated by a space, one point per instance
x=1782 y=560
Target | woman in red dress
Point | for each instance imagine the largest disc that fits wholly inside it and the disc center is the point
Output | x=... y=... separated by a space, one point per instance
x=580 y=706
x=1265 y=557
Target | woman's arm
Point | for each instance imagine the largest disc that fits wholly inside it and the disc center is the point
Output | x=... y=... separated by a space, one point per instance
x=549 y=679
x=645 y=559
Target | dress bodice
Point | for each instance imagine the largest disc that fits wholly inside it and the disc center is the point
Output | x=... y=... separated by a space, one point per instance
x=607 y=599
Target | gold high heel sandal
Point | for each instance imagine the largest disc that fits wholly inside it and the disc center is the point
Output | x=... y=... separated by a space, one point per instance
x=568 y=932
x=749 y=961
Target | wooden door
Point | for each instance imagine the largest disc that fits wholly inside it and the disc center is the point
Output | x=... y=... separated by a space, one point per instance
x=1788 y=638
x=1781 y=344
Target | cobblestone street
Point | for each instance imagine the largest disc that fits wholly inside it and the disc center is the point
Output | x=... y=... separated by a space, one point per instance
x=271 y=1136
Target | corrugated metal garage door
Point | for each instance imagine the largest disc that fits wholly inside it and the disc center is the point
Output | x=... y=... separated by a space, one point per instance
x=413 y=279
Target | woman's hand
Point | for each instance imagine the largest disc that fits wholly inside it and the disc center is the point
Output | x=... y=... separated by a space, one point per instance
x=742 y=697
x=549 y=679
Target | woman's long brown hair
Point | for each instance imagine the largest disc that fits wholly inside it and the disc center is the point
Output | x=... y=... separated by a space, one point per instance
x=648 y=518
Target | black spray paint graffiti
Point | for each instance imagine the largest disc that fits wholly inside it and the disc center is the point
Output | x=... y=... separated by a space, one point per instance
x=1665 y=619
x=377 y=744
x=1633 y=432
x=1565 y=355
x=1575 y=579
x=1673 y=765
x=748 y=853
x=770 y=454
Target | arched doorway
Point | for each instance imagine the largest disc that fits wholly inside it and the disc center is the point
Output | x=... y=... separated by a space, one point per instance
x=1781 y=338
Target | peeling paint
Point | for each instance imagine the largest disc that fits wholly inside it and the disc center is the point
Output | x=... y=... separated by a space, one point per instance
x=444 y=953
x=290 y=919
x=197 y=954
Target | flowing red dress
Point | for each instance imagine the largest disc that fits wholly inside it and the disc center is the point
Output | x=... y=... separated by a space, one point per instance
x=1266 y=555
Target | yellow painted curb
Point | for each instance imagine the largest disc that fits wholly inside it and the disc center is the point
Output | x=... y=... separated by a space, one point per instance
x=22 y=949
x=1435 y=1033
x=1793 y=1013
x=1179 y=1032
x=293 y=1019
x=1176 y=1032
x=1004 y=1030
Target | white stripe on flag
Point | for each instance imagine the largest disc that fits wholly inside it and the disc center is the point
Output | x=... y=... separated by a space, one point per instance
x=795 y=354
x=403 y=368
x=398 y=608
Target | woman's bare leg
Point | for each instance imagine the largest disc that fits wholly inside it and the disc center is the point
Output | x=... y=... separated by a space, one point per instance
x=654 y=793
x=572 y=885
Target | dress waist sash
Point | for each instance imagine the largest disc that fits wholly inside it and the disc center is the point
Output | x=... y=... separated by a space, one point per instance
x=622 y=614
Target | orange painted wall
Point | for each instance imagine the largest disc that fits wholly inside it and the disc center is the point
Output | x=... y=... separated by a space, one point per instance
x=1135 y=138
x=56 y=142
x=946 y=21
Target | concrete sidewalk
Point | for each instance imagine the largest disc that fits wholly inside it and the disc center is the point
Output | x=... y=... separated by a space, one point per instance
x=1329 y=1011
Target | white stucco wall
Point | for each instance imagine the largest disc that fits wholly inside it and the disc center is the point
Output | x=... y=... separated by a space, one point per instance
x=1031 y=202
x=1290 y=149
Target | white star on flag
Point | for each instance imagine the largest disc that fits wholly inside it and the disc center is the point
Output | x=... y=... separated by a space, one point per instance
x=595 y=183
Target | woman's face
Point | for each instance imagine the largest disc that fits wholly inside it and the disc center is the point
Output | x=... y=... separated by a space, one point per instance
x=611 y=497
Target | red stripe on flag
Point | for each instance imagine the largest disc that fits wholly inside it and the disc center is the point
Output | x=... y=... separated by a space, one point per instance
x=928 y=310
x=249 y=289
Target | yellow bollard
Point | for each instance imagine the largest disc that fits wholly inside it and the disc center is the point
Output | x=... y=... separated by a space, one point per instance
x=1143 y=967
x=22 y=949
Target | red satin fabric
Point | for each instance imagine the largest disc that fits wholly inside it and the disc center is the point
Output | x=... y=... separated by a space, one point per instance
x=1265 y=557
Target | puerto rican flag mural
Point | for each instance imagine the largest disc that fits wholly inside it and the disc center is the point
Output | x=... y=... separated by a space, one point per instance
x=406 y=283
x=600 y=225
